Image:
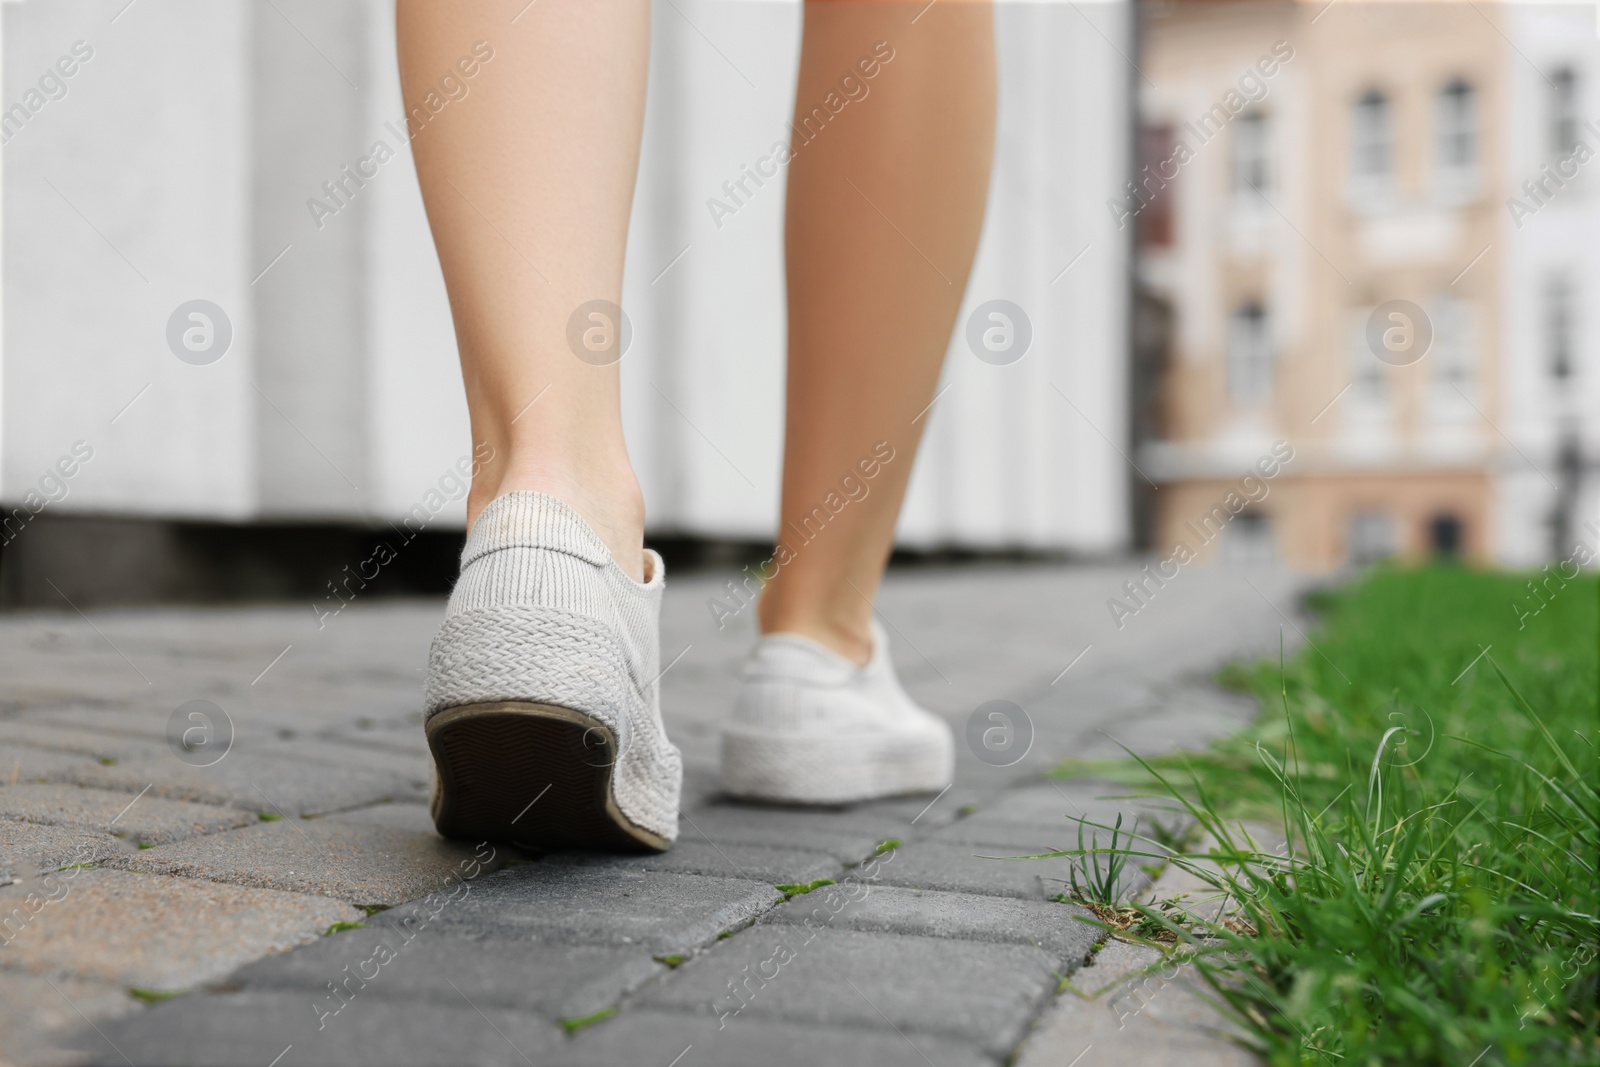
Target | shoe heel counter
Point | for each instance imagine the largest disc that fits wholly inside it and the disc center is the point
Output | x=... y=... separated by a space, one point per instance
x=533 y=576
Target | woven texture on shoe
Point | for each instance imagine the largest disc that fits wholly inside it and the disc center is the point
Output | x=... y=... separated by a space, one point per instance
x=542 y=614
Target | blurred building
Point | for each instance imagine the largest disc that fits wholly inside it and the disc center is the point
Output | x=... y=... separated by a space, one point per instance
x=1330 y=256
x=182 y=160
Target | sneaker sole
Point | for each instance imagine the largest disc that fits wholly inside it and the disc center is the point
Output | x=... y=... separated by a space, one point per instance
x=800 y=769
x=535 y=775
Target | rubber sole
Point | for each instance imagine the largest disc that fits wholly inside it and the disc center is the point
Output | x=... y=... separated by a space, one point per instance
x=534 y=775
x=831 y=769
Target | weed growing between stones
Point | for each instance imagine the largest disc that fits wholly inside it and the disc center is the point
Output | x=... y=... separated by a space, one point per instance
x=790 y=890
x=577 y=1023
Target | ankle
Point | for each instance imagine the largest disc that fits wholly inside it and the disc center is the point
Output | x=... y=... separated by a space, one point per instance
x=605 y=494
x=847 y=633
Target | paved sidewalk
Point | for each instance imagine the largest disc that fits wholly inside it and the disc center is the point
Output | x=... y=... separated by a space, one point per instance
x=293 y=896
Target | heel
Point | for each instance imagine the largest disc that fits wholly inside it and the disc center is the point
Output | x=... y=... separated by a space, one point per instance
x=536 y=775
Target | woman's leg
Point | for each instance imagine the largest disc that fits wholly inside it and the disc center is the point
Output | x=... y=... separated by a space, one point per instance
x=528 y=182
x=885 y=207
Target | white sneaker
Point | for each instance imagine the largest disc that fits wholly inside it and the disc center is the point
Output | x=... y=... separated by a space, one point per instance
x=812 y=727
x=542 y=708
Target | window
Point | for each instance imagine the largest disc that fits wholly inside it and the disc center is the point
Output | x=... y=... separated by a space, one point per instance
x=1249 y=539
x=1370 y=537
x=1371 y=143
x=1456 y=137
x=1563 y=111
x=1249 y=355
x=1558 y=339
x=1454 y=354
x=1250 y=156
x=1369 y=380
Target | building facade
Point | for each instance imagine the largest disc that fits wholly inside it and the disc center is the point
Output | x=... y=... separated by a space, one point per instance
x=1325 y=231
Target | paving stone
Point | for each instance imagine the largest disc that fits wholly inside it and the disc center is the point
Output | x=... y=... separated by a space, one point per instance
x=398 y=816
x=255 y=1029
x=1186 y=712
x=923 y=812
x=24 y=763
x=1052 y=926
x=1048 y=814
x=28 y=848
x=278 y=785
x=362 y=864
x=142 y=819
x=562 y=904
x=963 y=868
x=762 y=863
x=1133 y=1016
x=847 y=835
x=287 y=781
x=38 y=1020
x=94 y=744
x=644 y=1036
x=143 y=930
x=850 y=977
x=556 y=981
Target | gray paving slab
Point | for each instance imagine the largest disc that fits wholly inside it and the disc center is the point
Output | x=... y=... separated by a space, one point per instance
x=400 y=815
x=761 y=863
x=28 y=848
x=151 y=820
x=255 y=1029
x=333 y=729
x=145 y=930
x=848 y=835
x=850 y=977
x=276 y=784
x=1128 y=1008
x=25 y=763
x=1051 y=810
x=554 y=981
x=297 y=772
x=1052 y=926
x=646 y=1036
x=39 y=1017
x=559 y=904
x=94 y=744
x=361 y=864
x=983 y=870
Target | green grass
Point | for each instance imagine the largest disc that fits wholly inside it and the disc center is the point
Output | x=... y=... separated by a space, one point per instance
x=790 y=890
x=577 y=1023
x=341 y=927
x=154 y=996
x=269 y=816
x=1437 y=901
x=888 y=845
x=671 y=959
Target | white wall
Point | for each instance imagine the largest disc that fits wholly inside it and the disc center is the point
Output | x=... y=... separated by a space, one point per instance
x=195 y=135
x=149 y=158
